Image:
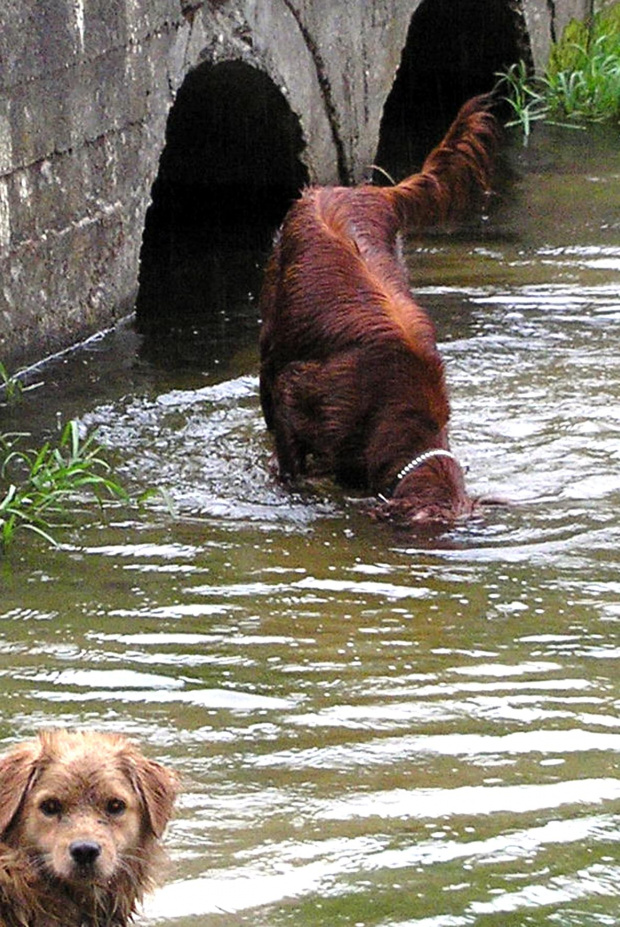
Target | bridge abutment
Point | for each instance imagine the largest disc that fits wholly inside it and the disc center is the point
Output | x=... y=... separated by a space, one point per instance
x=104 y=104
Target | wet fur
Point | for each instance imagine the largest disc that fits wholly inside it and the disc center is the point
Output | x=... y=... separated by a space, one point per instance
x=87 y=773
x=350 y=371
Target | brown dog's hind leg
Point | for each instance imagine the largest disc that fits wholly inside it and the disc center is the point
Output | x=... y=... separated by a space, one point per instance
x=297 y=416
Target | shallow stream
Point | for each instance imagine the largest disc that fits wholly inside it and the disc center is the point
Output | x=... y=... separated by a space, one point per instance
x=373 y=728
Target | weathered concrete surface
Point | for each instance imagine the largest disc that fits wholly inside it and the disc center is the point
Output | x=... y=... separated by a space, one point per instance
x=85 y=91
x=546 y=20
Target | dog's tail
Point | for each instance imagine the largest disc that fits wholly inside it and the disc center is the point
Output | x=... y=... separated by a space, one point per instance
x=456 y=171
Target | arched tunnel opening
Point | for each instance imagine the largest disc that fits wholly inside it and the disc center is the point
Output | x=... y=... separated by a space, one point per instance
x=229 y=170
x=231 y=166
x=453 y=51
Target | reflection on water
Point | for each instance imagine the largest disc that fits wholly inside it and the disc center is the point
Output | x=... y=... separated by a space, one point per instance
x=374 y=728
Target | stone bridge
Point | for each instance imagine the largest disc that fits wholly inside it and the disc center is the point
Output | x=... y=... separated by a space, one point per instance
x=210 y=111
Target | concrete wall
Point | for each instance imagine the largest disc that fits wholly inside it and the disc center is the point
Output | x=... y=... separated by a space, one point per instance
x=546 y=20
x=86 y=87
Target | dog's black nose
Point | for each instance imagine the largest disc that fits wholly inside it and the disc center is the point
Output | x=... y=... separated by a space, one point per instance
x=84 y=852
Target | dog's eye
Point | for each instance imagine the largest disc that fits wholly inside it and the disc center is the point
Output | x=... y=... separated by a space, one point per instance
x=115 y=806
x=51 y=807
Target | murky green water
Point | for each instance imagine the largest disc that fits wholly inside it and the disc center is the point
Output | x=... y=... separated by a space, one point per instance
x=373 y=728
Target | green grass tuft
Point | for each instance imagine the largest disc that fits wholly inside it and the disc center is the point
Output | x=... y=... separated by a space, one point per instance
x=12 y=388
x=38 y=488
x=581 y=83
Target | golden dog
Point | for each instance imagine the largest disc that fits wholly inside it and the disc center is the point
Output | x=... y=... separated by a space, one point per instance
x=81 y=814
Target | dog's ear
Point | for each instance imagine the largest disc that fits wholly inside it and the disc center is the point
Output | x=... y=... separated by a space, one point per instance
x=157 y=786
x=17 y=770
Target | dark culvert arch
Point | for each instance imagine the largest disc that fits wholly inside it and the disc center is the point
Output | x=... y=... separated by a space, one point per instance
x=453 y=51
x=229 y=170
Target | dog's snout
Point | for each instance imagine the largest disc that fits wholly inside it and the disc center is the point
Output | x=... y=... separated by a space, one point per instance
x=85 y=852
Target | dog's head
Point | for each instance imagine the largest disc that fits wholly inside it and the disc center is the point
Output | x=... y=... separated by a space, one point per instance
x=433 y=493
x=83 y=805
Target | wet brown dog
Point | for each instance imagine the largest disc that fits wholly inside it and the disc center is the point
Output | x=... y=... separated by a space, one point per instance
x=350 y=371
x=81 y=814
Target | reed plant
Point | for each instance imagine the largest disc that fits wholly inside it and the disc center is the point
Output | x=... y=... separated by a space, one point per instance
x=12 y=387
x=581 y=83
x=40 y=487
x=525 y=96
